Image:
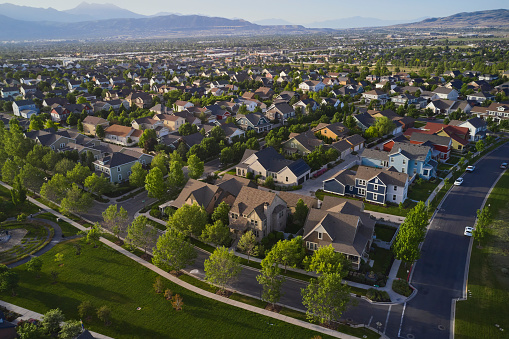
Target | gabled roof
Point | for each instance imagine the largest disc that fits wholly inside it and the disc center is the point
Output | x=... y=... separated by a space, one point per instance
x=411 y=151
x=387 y=176
x=251 y=199
x=201 y=191
x=233 y=184
x=433 y=138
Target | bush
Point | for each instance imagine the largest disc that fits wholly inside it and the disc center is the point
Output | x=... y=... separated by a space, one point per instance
x=297 y=187
x=3 y=217
x=376 y=295
x=249 y=175
x=401 y=287
x=155 y=212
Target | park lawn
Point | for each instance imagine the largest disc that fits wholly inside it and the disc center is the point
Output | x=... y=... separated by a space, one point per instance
x=68 y=230
x=486 y=306
x=389 y=209
x=106 y=277
x=8 y=208
x=421 y=192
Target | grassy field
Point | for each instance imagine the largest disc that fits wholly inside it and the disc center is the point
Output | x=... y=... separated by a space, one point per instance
x=389 y=209
x=382 y=260
x=67 y=229
x=106 y=277
x=8 y=208
x=488 y=280
x=421 y=192
x=33 y=240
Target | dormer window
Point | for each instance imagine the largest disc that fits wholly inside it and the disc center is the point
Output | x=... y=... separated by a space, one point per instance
x=320 y=235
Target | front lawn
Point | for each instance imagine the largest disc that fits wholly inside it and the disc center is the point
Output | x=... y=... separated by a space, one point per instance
x=488 y=280
x=384 y=232
x=421 y=192
x=106 y=277
x=382 y=260
x=389 y=209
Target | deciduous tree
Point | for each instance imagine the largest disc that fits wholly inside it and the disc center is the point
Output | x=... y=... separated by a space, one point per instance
x=271 y=281
x=77 y=201
x=411 y=234
x=173 y=252
x=115 y=219
x=221 y=213
x=325 y=260
x=138 y=175
x=287 y=252
x=247 y=244
x=189 y=219
x=222 y=267
x=139 y=234
x=216 y=233
x=195 y=166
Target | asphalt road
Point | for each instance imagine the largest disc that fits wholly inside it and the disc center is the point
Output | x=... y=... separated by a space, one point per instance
x=440 y=273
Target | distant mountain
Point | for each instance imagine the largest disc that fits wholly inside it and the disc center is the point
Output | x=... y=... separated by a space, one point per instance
x=357 y=22
x=164 y=14
x=102 y=11
x=491 y=18
x=273 y=22
x=26 y=13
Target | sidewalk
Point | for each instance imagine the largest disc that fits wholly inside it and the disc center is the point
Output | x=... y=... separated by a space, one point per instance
x=27 y=314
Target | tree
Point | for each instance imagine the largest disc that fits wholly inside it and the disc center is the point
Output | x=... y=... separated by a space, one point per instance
x=56 y=188
x=98 y=184
x=221 y=213
x=34 y=265
x=173 y=252
x=99 y=131
x=28 y=330
x=479 y=146
x=160 y=161
x=326 y=298
x=80 y=126
x=70 y=330
x=115 y=220
x=50 y=160
x=86 y=309
x=301 y=212
x=189 y=219
x=138 y=175
x=176 y=178
x=325 y=260
x=79 y=174
x=158 y=285
x=177 y=302
x=483 y=216
x=195 y=166
x=36 y=123
x=31 y=177
x=154 y=183
x=222 y=267
x=269 y=182
x=384 y=125
x=479 y=233
x=76 y=201
x=271 y=281
x=187 y=129
x=8 y=280
x=411 y=234
x=94 y=234
x=18 y=192
x=287 y=252
x=104 y=314
x=9 y=171
x=65 y=165
x=148 y=140
x=247 y=244
x=139 y=234
x=216 y=233
x=51 y=320
x=371 y=133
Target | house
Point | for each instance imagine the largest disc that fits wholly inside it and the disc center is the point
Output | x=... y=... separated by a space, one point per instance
x=376 y=94
x=253 y=121
x=118 y=134
x=334 y=131
x=149 y=123
x=230 y=130
x=405 y=158
x=301 y=143
x=476 y=126
x=480 y=97
x=206 y=195
x=140 y=99
x=181 y=105
x=292 y=199
x=171 y=122
x=90 y=124
x=459 y=135
x=311 y=86
x=264 y=93
x=217 y=112
x=446 y=93
x=188 y=116
x=377 y=185
x=404 y=99
x=59 y=114
x=48 y=102
x=116 y=167
x=268 y=162
x=442 y=145
x=367 y=119
x=304 y=104
x=22 y=105
x=496 y=111
x=440 y=106
x=343 y=224
x=259 y=211
x=280 y=111
x=56 y=140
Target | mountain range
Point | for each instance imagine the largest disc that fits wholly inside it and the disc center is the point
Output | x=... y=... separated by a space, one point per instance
x=97 y=21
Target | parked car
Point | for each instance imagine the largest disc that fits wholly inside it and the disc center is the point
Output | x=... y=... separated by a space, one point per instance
x=504 y=165
x=470 y=168
x=468 y=231
x=458 y=182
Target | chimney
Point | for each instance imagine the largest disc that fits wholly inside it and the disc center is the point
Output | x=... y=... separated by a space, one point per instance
x=265 y=207
x=399 y=150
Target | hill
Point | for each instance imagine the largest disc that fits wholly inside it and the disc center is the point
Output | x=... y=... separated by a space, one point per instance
x=492 y=18
x=102 y=12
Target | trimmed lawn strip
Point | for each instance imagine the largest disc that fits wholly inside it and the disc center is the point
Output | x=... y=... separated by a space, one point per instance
x=421 y=192
x=248 y=300
x=382 y=260
x=68 y=230
x=106 y=277
x=384 y=232
x=389 y=209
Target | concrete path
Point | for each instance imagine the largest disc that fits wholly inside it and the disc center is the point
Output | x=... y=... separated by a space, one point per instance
x=27 y=314
x=192 y=288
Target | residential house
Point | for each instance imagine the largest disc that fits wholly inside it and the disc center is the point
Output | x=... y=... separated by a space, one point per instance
x=260 y=211
x=90 y=124
x=304 y=104
x=24 y=105
x=280 y=111
x=377 y=185
x=140 y=99
x=181 y=105
x=59 y=114
x=334 y=131
x=253 y=121
x=446 y=93
x=301 y=143
x=459 y=135
x=149 y=123
x=171 y=122
x=203 y=194
x=376 y=94
x=268 y=162
x=496 y=111
x=343 y=224
x=117 y=166
x=480 y=97
x=121 y=135
x=311 y=86
x=477 y=128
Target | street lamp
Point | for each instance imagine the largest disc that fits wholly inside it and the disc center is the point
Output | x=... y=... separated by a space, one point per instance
x=378 y=326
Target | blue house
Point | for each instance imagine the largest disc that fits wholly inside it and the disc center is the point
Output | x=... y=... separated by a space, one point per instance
x=24 y=106
x=373 y=184
x=405 y=158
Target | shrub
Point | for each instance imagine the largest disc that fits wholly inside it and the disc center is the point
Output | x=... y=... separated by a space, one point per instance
x=401 y=287
x=168 y=294
x=155 y=212
x=376 y=295
x=249 y=175
x=158 y=285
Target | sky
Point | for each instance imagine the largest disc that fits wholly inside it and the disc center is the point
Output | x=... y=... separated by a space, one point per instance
x=294 y=11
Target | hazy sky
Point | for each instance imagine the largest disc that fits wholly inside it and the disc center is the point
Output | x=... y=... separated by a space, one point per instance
x=295 y=11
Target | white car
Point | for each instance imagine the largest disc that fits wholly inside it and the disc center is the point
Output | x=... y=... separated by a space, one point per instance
x=458 y=182
x=468 y=231
x=504 y=165
x=470 y=168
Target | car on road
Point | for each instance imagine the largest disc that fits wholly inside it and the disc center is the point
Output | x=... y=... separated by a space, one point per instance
x=470 y=168
x=468 y=231
x=504 y=165
x=458 y=182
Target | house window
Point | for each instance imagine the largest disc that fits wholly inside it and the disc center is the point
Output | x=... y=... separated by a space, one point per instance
x=375 y=187
x=375 y=196
x=362 y=182
x=118 y=169
x=120 y=177
x=286 y=179
x=62 y=145
x=404 y=161
x=362 y=191
x=320 y=235
x=392 y=159
x=395 y=188
x=394 y=197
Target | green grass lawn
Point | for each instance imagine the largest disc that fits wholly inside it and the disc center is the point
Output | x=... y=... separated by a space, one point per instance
x=421 y=192
x=389 y=209
x=67 y=229
x=8 y=208
x=106 y=277
x=31 y=242
x=382 y=260
x=418 y=124
x=487 y=305
x=384 y=232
